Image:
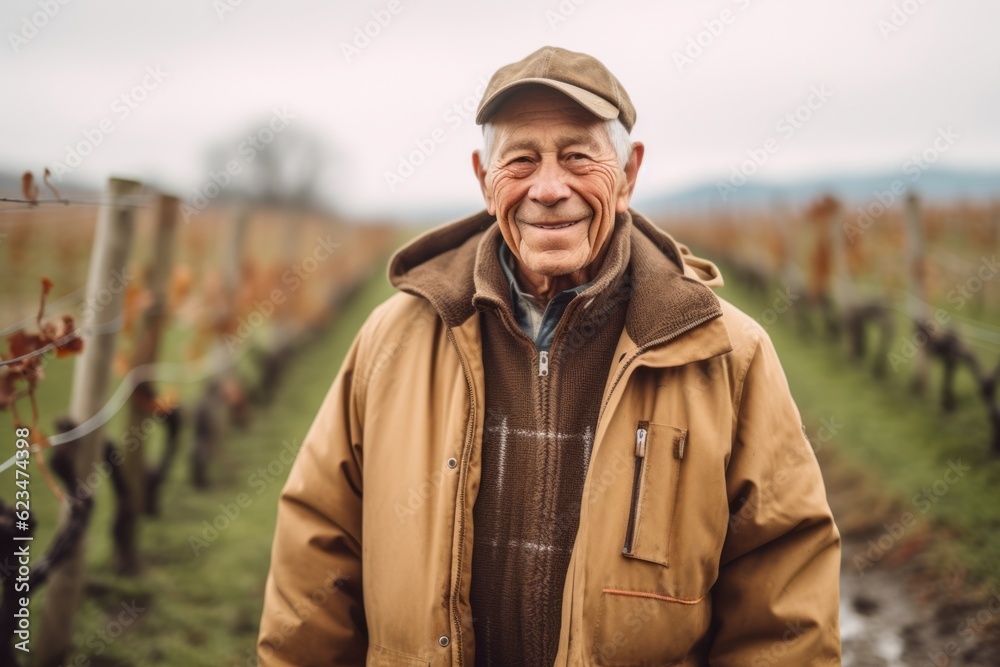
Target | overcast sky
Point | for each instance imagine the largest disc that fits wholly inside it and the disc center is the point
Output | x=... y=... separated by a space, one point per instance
x=883 y=78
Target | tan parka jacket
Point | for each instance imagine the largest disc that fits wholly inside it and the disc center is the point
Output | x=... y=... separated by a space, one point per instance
x=735 y=556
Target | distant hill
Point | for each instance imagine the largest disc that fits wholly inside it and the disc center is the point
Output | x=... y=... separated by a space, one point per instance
x=935 y=185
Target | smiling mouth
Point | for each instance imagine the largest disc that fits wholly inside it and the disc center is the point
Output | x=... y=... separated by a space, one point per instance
x=559 y=225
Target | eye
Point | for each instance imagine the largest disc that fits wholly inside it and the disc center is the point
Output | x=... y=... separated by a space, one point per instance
x=576 y=157
x=524 y=159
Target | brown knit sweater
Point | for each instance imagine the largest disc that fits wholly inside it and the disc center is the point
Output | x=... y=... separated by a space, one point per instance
x=537 y=440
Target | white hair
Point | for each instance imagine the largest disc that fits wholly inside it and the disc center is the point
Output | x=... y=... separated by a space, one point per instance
x=621 y=142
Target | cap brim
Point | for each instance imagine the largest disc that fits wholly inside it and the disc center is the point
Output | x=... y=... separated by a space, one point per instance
x=595 y=104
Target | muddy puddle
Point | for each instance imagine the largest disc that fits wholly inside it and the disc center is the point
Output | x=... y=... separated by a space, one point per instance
x=898 y=615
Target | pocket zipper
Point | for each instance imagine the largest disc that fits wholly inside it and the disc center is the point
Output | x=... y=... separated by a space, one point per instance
x=640 y=458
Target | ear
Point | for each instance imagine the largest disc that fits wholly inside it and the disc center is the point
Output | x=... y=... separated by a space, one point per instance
x=480 y=171
x=631 y=172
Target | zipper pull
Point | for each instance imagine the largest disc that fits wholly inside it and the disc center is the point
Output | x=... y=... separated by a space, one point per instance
x=543 y=363
x=640 y=440
x=679 y=446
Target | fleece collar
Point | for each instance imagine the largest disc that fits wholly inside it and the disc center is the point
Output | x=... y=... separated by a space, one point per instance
x=455 y=267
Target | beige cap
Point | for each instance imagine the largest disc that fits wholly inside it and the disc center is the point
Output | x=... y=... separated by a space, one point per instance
x=583 y=78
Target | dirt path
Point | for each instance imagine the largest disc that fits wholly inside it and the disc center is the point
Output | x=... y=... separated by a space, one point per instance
x=897 y=610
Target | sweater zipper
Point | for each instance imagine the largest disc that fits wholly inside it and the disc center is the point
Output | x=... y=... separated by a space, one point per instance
x=543 y=363
x=640 y=460
x=463 y=473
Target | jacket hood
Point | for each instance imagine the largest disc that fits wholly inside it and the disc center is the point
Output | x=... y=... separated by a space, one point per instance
x=670 y=285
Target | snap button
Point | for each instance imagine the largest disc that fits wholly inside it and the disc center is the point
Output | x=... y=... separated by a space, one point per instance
x=444 y=641
x=452 y=462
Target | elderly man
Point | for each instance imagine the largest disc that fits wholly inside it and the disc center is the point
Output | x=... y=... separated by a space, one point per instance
x=555 y=445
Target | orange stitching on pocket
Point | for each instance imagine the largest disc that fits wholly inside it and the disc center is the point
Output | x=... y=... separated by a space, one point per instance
x=640 y=594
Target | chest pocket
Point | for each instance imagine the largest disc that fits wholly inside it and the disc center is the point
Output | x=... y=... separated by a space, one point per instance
x=659 y=462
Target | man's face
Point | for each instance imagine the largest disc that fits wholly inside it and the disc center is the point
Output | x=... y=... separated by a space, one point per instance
x=553 y=182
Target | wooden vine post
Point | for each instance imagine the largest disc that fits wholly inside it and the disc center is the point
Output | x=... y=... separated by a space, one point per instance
x=285 y=331
x=844 y=290
x=211 y=410
x=918 y=309
x=148 y=335
x=91 y=380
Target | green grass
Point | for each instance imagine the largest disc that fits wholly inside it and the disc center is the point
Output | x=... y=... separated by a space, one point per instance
x=903 y=441
x=198 y=609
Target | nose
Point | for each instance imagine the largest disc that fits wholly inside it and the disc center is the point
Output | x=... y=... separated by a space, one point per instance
x=549 y=186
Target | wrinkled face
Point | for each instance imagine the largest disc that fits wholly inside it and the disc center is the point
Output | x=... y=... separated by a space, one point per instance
x=553 y=182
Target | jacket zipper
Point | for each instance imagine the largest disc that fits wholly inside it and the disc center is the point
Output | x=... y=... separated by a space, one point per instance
x=640 y=459
x=463 y=472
